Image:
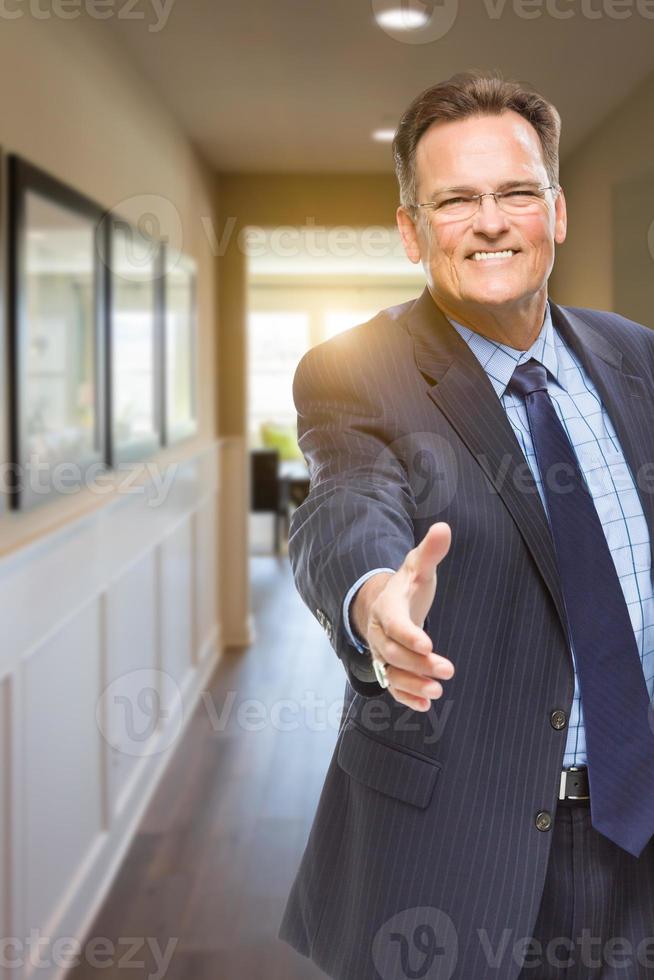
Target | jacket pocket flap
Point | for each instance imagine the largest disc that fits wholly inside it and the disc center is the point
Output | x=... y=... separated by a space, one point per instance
x=390 y=770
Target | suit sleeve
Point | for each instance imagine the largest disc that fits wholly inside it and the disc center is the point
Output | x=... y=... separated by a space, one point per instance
x=358 y=514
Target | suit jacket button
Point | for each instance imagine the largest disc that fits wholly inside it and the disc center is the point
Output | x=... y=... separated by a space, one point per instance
x=558 y=719
x=543 y=820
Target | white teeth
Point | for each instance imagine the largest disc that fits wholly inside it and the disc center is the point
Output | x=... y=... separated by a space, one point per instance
x=481 y=256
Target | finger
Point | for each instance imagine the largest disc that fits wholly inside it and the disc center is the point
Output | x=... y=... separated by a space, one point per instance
x=432 y=549
x=408 y=683
x=401 y=630
x=411 y=701
x=422 y=664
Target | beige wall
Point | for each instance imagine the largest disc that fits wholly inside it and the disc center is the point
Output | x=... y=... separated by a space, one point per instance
x=71 y=103
x=622 y=147
x=268 y=201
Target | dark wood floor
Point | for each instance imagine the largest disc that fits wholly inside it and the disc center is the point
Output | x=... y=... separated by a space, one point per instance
x=215 y=855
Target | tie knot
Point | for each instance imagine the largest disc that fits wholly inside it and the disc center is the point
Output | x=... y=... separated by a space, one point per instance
x=528 y=377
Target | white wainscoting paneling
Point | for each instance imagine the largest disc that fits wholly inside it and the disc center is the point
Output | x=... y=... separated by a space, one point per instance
x=238 y=622
x=206 y=583
x=62 y=772
x=111 y=630
x=5 y=813
x=176 y=558
x=132 y=649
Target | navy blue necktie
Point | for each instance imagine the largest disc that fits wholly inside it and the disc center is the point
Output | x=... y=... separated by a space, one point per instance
x=617 y=715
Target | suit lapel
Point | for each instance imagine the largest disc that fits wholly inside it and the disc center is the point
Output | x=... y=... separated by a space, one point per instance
x=627 y=398
x=460 y=388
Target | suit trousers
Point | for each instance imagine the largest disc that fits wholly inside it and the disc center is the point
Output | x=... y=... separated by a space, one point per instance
x=596 y=917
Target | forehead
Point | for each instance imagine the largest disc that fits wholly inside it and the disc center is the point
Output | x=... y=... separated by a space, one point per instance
x=479 y=148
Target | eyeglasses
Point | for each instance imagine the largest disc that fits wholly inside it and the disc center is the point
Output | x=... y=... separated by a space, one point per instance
x=516 y=201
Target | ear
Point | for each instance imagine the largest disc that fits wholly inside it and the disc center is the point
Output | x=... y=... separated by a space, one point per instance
x=409 y=234
x=561 y=218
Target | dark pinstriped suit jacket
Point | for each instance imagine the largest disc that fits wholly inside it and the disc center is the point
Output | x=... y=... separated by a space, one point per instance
x=425 y=836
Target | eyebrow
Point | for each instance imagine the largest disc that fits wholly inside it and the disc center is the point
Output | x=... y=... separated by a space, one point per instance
x=468 y=189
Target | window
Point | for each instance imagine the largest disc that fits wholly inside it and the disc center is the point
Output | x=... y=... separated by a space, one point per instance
x=335 y=321
x=277 y=341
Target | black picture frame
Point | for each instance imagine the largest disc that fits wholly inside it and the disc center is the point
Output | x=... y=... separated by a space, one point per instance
x=134 y=388
x=56 y=337
x=4 y=342
x=179 y=347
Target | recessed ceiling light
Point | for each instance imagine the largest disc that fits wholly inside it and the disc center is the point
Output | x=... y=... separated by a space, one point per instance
x=405 y=18
x=383 y=135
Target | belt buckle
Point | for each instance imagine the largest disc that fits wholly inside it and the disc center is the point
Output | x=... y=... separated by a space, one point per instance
x=564 y=780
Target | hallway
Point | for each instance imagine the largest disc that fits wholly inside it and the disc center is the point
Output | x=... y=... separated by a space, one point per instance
x=195 y=197
x=215 y=855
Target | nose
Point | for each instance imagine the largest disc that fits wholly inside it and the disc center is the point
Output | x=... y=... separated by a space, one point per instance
x=489 y=218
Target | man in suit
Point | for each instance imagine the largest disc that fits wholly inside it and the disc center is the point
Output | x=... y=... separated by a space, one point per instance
x=477 y=544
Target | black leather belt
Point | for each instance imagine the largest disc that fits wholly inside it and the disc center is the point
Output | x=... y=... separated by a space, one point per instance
x=574 y=784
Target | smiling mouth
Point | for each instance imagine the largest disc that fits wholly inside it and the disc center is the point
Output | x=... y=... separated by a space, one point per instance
x=493 y=256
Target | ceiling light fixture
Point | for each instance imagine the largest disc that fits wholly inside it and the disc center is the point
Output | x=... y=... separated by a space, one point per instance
x=383 y=135
x=404 y=18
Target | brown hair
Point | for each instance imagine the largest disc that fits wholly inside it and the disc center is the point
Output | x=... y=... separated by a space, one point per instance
x=472 y=93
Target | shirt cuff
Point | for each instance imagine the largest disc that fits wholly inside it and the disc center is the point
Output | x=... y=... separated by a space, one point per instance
x=361 y=647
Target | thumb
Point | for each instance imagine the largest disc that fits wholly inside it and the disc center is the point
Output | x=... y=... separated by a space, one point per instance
x=432 y=549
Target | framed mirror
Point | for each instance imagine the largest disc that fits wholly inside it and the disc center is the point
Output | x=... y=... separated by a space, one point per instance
x=180 y=347
x=56 y=337
x=134 y=380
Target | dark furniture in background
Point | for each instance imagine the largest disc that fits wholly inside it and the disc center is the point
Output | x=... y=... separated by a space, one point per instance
x=265 y=495
x=294 y=479
x=276 y=486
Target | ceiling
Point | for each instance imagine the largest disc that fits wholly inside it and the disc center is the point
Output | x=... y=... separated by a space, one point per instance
x=297 y=86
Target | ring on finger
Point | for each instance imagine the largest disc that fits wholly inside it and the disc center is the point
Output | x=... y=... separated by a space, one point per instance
x=379 y=666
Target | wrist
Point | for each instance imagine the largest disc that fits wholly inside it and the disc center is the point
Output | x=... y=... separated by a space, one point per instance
x=363 y=600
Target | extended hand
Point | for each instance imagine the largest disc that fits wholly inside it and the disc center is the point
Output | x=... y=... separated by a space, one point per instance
x=393 y=620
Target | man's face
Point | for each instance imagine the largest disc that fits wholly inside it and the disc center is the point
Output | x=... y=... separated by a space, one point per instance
x=483 y=153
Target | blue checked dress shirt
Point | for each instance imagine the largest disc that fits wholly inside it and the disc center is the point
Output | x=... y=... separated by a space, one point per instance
x=605 y=469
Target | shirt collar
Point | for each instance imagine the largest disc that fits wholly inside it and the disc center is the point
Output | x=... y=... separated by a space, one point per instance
x=499 y=361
